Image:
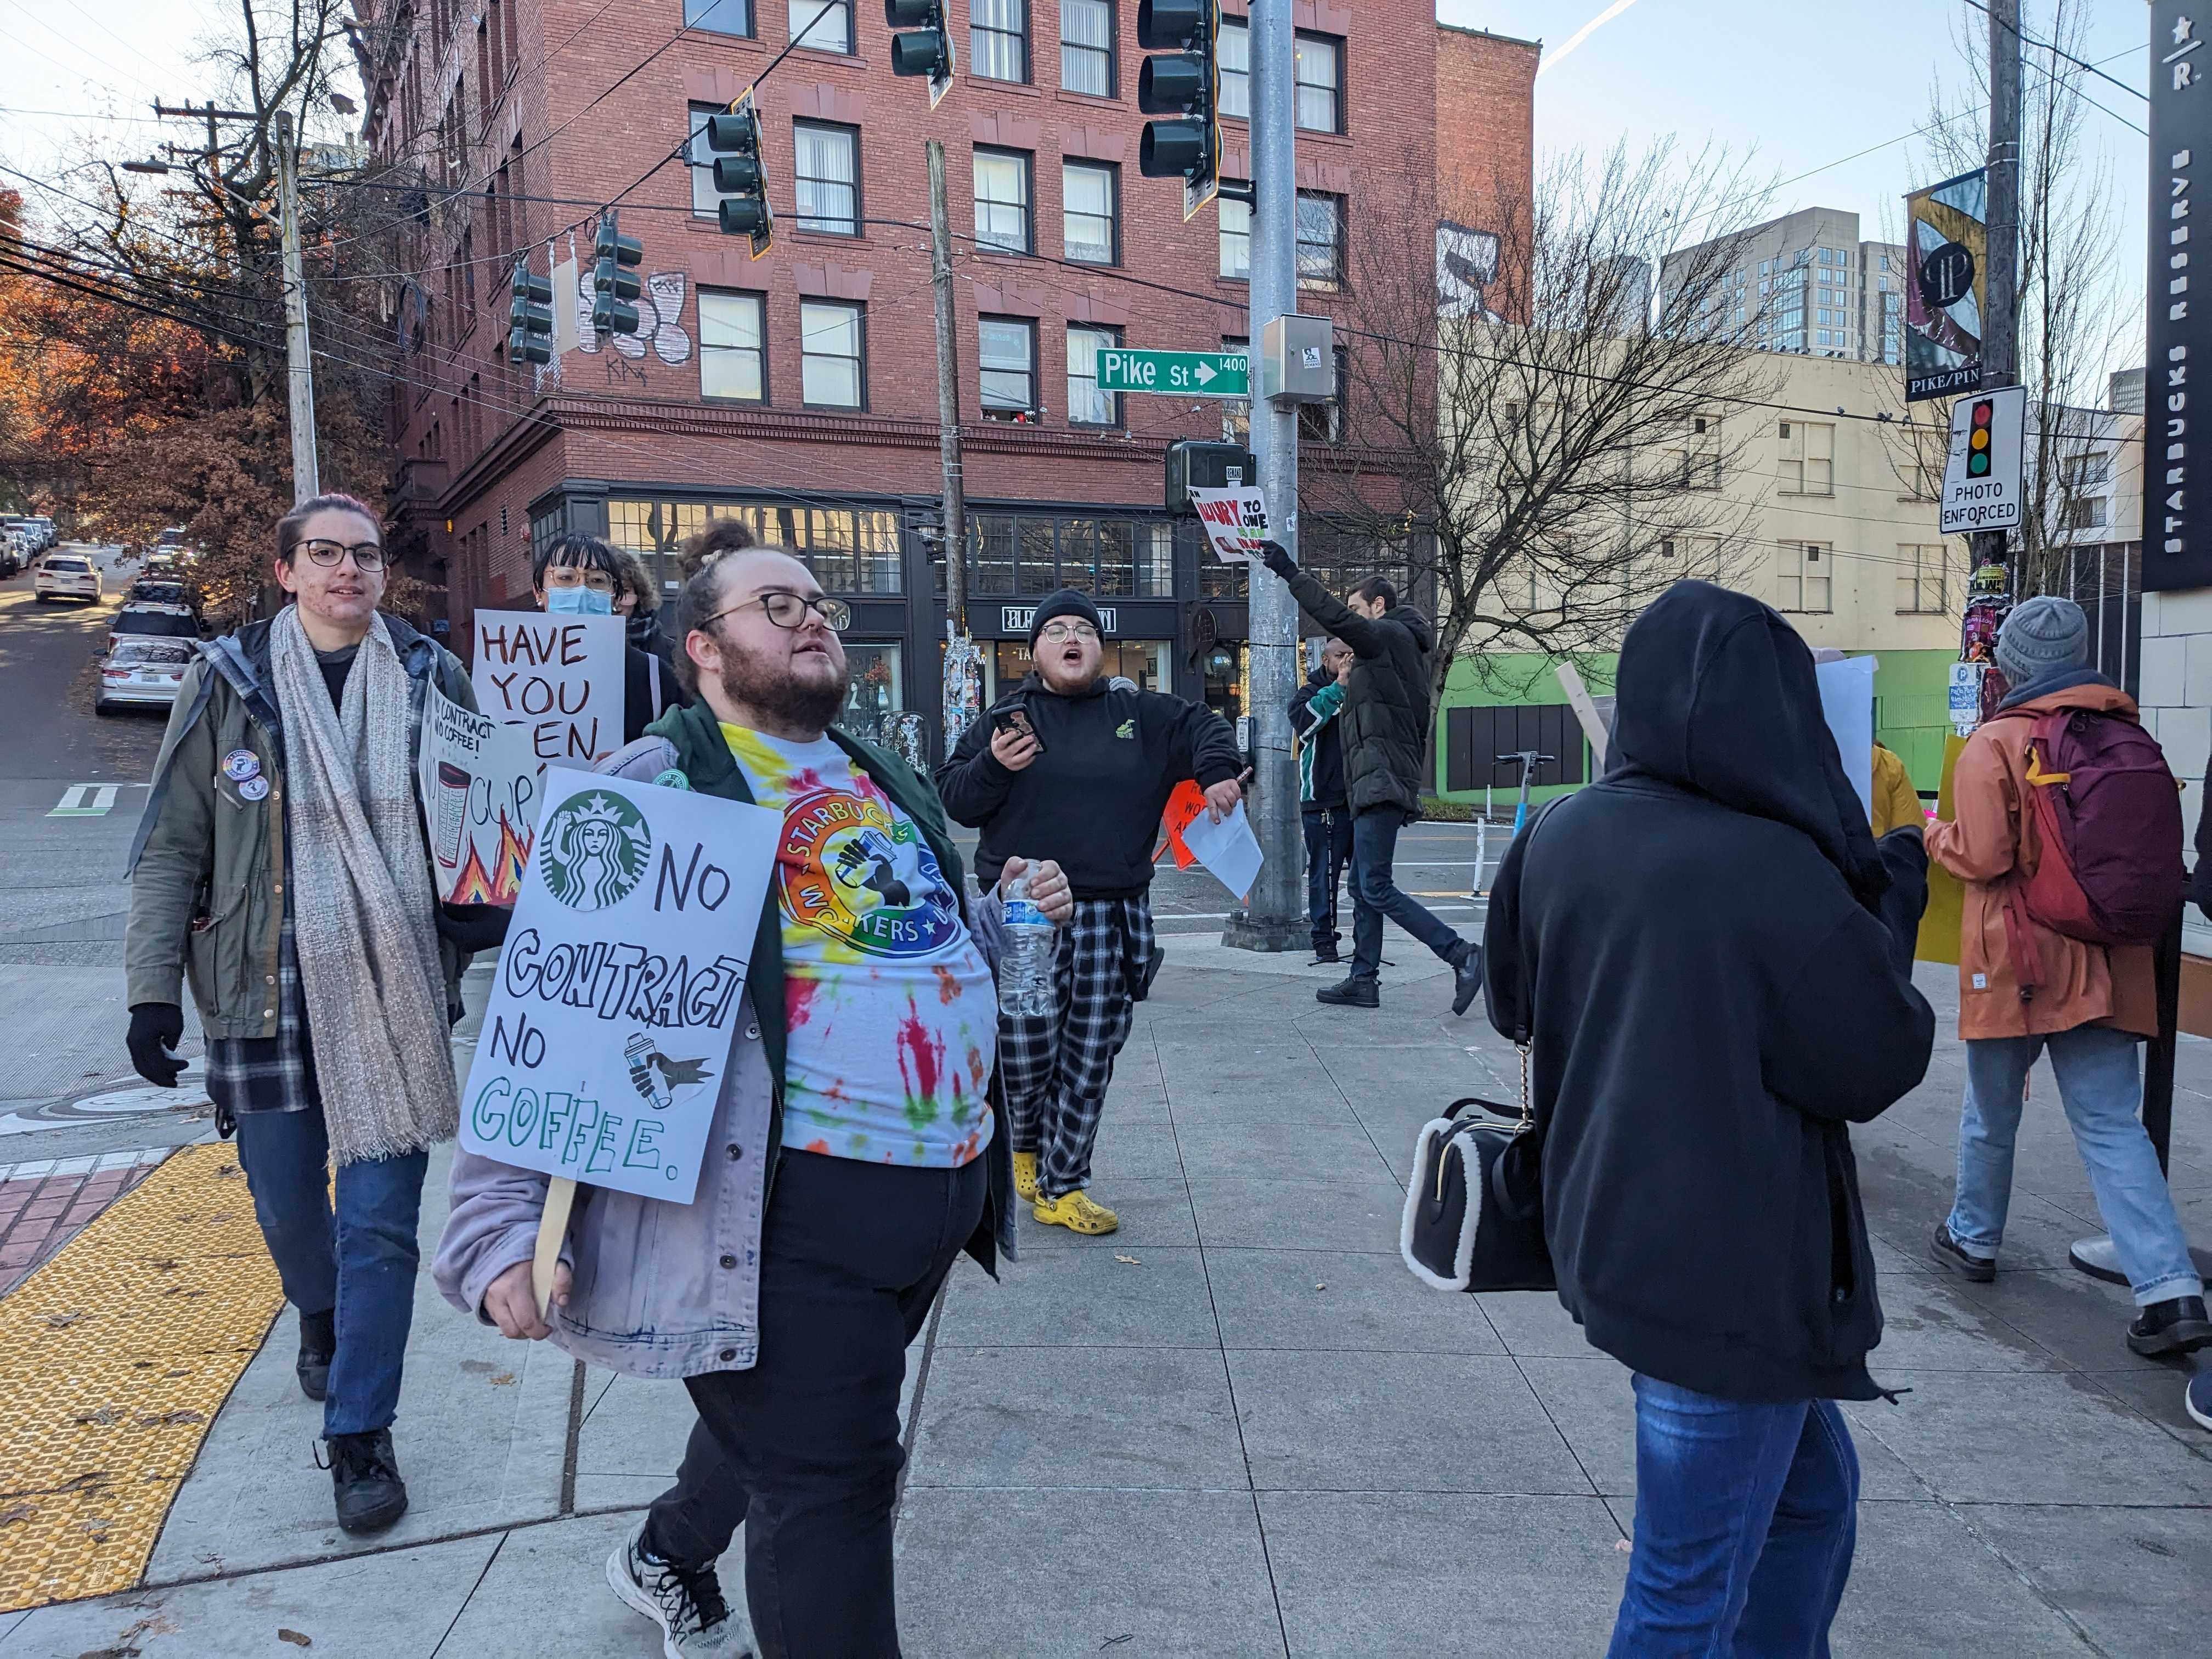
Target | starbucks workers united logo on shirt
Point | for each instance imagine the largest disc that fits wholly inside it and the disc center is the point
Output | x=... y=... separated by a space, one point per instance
x=851 y=869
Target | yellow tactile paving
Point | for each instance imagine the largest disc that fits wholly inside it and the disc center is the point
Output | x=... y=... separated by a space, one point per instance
x=114 y=1358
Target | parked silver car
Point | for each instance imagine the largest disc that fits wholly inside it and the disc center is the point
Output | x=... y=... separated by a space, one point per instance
x=142 y=673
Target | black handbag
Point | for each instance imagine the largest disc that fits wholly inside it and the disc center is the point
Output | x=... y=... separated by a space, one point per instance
x=1474 y=1210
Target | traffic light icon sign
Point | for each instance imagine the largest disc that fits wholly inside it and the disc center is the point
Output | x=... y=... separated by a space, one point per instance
x=1978 y=438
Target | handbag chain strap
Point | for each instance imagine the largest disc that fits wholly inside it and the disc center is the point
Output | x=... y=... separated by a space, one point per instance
x=1527 y=1117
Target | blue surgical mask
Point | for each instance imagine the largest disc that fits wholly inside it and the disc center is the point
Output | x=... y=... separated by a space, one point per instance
x=579 y=602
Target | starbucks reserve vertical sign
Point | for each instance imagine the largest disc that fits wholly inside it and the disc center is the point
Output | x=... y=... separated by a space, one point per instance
x=610 y=1023
x=2176 y=552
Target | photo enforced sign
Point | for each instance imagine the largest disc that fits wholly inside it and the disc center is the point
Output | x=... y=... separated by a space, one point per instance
x=610 y=1022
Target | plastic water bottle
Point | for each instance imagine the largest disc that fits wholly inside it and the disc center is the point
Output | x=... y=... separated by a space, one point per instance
x=1025 y=966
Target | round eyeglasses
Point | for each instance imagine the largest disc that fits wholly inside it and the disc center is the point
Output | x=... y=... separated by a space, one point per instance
x=787 y=610
x=366 y=556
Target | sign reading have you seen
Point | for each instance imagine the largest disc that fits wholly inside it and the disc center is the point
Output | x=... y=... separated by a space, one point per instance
x=561 y=677
x=610 y=1022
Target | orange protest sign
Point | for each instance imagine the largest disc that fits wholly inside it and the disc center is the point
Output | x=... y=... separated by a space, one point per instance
x=1187 y=801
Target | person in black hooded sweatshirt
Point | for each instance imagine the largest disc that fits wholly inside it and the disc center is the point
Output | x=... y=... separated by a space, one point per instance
x=1710 y=958
x=1083 y=780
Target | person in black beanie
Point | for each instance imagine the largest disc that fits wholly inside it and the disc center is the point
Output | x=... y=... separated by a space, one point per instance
x=1074 y=767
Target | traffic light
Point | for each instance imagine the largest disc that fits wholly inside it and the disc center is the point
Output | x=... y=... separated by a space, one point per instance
x=1183 y=81
x=612 y=311
x=1978 y=438
x=926 y=47
x=740 y=176
x=530 y=317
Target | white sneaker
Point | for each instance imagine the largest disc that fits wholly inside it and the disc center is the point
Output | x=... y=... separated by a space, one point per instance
x=687 y=1606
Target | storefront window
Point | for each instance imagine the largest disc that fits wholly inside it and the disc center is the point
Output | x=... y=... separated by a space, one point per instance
x=850 y=551
x=1219 y=581
x=874 y=689
x=1114 y=558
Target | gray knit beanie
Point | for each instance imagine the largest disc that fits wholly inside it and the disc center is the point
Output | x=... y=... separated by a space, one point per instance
x=2042 y=636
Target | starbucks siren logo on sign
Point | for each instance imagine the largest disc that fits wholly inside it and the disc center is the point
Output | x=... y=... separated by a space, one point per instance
x=597 y=845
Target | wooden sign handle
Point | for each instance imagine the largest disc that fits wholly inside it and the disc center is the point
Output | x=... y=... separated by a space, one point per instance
x=552 y=1228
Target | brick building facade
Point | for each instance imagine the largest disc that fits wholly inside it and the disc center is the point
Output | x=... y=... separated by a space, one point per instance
x=799 y=390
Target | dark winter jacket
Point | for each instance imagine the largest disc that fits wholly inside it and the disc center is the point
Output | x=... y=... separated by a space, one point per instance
x=1385 y=721
x=1711 y=957
x=1324 y=737
x=1093 y=799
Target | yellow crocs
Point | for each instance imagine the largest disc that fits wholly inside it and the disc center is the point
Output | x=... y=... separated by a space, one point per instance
x=1026 y=1176
x=1075 y=1212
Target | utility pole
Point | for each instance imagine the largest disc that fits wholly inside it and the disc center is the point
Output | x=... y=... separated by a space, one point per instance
x=1273 y=918
x=961 y=684
x=300 y=365
x=2001 y=280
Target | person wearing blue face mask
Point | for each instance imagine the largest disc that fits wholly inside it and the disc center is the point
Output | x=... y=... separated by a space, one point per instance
x=580 y=576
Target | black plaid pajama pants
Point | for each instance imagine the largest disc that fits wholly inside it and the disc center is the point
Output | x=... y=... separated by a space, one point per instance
x=1056 y=1069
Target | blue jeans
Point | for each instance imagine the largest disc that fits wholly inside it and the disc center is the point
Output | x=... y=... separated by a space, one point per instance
x=1745 y=1517
x=1329 y=850
x=360 y=1260
x=1375 y=894
x=2102 y=1093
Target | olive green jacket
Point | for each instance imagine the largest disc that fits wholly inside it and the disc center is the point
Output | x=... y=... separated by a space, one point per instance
x=207 y=869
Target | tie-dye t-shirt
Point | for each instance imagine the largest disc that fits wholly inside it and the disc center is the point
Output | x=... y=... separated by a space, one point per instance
x=893 y=1018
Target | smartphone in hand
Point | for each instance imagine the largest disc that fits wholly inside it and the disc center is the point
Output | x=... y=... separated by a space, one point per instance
x=1015 y=720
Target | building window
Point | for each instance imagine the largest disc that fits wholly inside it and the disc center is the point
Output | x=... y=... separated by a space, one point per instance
x=1920 y=582
x=2091 y=471
x=822 y=25
x=826 y=172
x=1087 y=217
x=732 y=346
x=1320 y=74
x=706 y=200
x=832 y=336
x=999 y=38
x=719 y=16
x=1802 y=578
x=2086 y=513
x=1321 y=241
x=1002 y=200
x=1086 y=405
x=1006 y=354
x=1086 y=46
x=1235 y=238
x=1806 y=464
x=849 y=551
x=1235 y=53
x=874 y=689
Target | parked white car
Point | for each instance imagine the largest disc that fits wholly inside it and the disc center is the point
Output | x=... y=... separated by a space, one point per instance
x=143 y=673
x=68 y=576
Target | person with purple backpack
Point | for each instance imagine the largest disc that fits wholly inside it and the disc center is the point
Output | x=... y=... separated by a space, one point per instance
x=2067 y=835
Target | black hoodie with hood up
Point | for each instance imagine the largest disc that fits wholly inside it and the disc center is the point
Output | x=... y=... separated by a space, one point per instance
x=1711 y=958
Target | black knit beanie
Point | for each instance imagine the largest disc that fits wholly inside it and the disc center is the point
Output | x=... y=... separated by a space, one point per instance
x=1066 y=603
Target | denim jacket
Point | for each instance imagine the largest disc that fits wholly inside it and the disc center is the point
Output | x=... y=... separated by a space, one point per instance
x=664 y=1289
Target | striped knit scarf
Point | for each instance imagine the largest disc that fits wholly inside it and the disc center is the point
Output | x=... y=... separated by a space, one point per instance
x=363 y=908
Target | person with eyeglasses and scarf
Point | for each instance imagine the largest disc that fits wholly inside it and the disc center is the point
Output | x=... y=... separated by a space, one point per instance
x=1077 y=767
x=581 y=575
x=280 y=869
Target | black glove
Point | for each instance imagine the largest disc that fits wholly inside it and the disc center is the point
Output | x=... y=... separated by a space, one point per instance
x=155 y=1028
x=474 y=927
x=1278 y=559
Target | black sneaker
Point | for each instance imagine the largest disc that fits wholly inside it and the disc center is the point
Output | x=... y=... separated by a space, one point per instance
x=1327 y=952
x=365 y=1480
x=2173 y=1326
x=1467 y=978
x=318 y=1342
x=686 y=1602
x=1358 y=991
x=1954 y=1254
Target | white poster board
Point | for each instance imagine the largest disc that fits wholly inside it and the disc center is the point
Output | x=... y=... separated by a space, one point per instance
x=610 y=1020
x=1228 y=848
x=559 y=677
x=1847 y=700
x=1236 y=522
x=479 y=785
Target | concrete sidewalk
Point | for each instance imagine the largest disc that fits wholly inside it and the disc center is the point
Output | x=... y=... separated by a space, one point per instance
x=1239 y=1427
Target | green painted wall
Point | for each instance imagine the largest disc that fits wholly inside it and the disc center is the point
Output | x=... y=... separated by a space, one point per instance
x=1911 y=716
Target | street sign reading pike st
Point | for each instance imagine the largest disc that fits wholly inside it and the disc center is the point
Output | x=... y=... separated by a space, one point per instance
x=1175 y=374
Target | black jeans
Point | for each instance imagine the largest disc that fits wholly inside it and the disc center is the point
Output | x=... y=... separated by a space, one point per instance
x=1329 y=850
x=804 y=1446
x=1375 y=894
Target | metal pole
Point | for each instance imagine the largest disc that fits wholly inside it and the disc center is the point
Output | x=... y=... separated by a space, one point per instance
x=300 y=367
x=961 y=696
x=1273 y=916
x=2001 y=284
